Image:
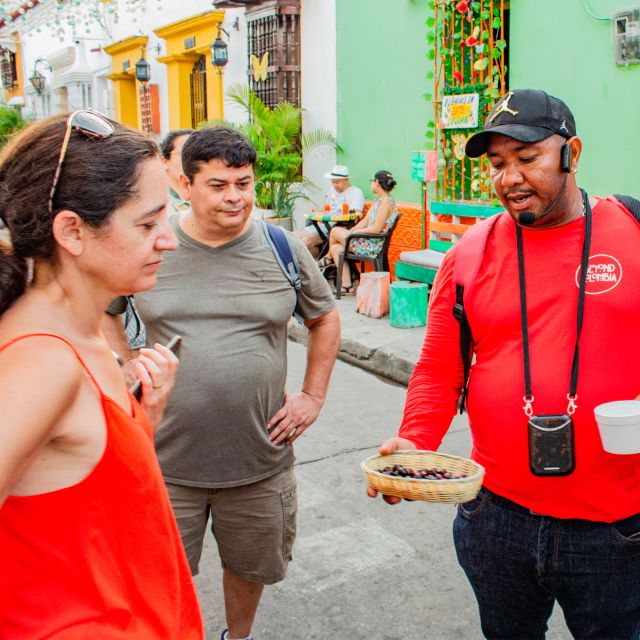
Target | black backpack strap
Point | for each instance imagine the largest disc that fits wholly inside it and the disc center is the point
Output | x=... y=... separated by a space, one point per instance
x=468 y=261
x=277 y=238
x=279 y=243
x=630 y=203
x=465 y=342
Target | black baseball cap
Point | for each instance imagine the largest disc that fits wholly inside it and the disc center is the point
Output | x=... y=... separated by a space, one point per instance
x=528 y=115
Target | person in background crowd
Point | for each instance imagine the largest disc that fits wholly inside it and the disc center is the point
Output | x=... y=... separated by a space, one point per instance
x=171 y=149
x=379 y=218
x=558 y=518
x=342 y=193
x=89 y=547
x=123 y=310
x=225 y=442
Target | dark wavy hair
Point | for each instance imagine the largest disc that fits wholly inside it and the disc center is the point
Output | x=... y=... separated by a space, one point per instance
x=168 y=144
x=216 y=143
x=385 y=180
x=98 y=176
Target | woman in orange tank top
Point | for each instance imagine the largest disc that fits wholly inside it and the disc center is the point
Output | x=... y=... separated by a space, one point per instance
x=88 y=544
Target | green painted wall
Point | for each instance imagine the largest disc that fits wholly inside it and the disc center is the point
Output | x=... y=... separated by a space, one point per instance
x=557 y=46
x=381 y=68
x=554 y=45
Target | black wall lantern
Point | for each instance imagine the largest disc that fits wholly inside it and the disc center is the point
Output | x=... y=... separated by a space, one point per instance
x=219 y=51
x=37 y=80
x=143 y=69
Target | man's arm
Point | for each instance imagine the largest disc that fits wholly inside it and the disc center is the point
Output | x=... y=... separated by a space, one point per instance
x=357 y=200
x=301 y=409
x=155 y=368
x=113 y=329
x=437 y=380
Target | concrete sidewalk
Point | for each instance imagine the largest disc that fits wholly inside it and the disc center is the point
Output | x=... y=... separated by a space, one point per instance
x=372 y=343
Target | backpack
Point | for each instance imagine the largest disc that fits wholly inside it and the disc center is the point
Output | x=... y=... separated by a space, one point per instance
x=279 y=243
x=470 y=253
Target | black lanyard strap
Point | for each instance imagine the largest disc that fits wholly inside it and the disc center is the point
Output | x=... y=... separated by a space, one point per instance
x=584 y=263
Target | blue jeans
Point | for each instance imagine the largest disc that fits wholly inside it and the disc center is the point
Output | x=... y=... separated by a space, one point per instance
x=520 y=563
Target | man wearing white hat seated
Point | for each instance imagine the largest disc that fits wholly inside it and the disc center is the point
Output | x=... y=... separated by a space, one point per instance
x=342 y=191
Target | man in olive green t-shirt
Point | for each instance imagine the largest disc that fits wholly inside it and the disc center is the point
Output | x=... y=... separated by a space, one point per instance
x=225 y=442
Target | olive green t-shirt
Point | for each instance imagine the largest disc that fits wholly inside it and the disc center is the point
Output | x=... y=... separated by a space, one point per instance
x=231 y=305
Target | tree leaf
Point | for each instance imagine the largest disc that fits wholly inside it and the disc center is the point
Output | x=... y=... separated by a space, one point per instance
x=501 y=44
x=281 y=146
x=496 y=23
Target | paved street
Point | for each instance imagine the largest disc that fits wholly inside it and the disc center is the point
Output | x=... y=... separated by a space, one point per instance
x=361 y=569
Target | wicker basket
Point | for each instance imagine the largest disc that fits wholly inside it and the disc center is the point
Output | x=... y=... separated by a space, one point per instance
x=459 y=490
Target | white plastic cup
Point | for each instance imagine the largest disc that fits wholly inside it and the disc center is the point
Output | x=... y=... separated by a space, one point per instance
x=619 y=424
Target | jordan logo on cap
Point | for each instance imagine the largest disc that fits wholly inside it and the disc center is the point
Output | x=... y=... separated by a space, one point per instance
x=564 y=126
x=504 y=106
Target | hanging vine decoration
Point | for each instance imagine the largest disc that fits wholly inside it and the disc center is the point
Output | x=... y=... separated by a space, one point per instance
x=65 y=19
x=467 y=46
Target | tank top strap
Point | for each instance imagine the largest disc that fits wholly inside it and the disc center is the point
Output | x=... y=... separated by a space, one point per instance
x=53 y=335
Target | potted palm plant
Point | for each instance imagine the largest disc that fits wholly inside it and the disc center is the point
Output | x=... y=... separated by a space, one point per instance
x=281 y=147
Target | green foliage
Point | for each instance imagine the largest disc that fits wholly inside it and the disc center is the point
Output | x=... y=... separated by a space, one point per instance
x=281 y=146
x=470 y=51
x=11 y=121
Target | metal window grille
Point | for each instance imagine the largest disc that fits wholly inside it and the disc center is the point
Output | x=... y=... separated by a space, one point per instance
x=146 y=108
x=273 y=30
x=199 y=92
x=8 y=68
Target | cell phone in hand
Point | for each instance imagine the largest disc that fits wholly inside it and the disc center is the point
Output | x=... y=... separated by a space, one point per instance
x=173 y=345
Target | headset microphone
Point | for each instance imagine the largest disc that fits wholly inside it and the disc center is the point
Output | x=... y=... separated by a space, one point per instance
x=527 y=218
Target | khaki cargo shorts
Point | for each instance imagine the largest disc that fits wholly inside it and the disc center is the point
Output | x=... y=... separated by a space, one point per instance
x=254 y=525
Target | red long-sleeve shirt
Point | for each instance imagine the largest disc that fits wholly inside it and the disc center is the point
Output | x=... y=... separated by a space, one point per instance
x=603 y=486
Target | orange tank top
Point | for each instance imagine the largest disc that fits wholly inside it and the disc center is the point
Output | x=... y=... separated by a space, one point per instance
x=102 y=558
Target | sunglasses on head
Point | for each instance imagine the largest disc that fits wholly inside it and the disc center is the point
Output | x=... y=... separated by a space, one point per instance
x=92 y=124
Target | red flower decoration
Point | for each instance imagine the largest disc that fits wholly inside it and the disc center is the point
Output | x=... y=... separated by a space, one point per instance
x=471 y=41
x=462 y=43
x=458 y=76
x=462 y=6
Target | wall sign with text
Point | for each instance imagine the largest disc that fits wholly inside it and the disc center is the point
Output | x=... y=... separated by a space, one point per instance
x=460 y=111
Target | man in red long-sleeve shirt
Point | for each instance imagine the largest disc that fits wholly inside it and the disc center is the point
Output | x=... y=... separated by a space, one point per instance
x=543 y=529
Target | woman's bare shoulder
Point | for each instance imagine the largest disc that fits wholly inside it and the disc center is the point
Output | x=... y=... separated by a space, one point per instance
x=33 y=363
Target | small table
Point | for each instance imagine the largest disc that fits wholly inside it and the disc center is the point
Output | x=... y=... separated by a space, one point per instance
x=322 y=220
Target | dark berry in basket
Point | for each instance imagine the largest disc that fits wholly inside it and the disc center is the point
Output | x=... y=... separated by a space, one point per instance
x=401 y=471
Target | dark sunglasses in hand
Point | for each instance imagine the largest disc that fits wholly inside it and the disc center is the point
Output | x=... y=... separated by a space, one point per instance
x=92 y=124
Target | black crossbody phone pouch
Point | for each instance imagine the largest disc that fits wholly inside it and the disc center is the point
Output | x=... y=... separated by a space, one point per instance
x=550 y=436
